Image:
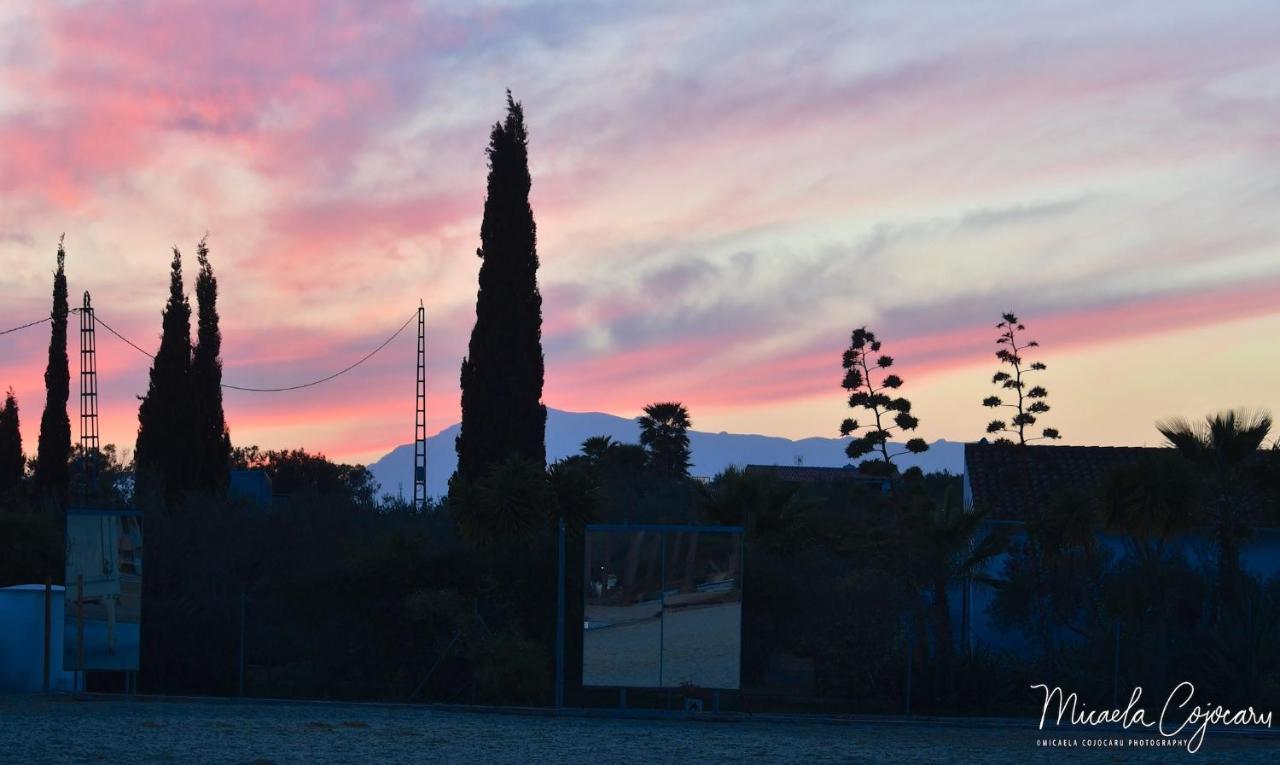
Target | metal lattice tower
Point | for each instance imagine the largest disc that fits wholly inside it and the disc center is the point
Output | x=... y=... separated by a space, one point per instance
x=88 y=391
x=420 y=417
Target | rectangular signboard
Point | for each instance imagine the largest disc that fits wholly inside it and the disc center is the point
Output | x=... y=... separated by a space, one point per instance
x=663 y=606
x=103 y=612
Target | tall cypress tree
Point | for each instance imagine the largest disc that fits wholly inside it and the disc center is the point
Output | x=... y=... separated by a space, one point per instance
x=165 y=436
x=212 y=441
x=502 y=375
x=11 y=460
x=54 y=448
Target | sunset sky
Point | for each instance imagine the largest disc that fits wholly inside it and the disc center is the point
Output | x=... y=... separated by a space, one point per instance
x=721 y=193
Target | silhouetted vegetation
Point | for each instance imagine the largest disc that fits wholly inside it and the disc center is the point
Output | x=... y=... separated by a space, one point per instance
x=1030 y=402
x=51 y=472
x=502 y=412
x=12 y=463
x=166 y=432
x=211 y=442
x=888 y=413
x=1225 y=452
x=664 y=432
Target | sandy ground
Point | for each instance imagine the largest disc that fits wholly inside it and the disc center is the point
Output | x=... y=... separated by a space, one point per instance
x=700 y=646
x=35 y=731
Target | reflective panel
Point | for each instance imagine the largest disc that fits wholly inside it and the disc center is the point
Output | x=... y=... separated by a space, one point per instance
x=663 y=607
x=702 y=610
x=104 y=590
x=622 y=631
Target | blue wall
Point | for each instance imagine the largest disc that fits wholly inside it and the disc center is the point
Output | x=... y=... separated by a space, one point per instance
x=1260 y=556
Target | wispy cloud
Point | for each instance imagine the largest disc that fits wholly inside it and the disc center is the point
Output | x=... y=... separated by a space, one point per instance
x=722 y=191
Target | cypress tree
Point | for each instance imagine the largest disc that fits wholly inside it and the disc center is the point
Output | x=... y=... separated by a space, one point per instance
x=54 y=448
x=165 y=438
x=502 y=375
x=11 y=460
x=212 y=441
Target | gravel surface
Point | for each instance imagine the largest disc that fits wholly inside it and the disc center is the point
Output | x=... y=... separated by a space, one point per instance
x=35 y=730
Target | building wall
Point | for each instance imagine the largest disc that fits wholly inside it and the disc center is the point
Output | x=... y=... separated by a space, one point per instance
x=1260 y=556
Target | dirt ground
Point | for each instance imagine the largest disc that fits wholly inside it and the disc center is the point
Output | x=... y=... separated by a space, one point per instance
x=36 y=730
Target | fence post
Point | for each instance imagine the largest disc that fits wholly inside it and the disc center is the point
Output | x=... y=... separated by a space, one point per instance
x=240 y=685
x=80 y=623
x=910 y=649
x=1115 y=671
x=48 y=625
x=560 y=616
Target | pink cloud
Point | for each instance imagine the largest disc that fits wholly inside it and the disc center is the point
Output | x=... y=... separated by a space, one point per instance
x=291 y=85
x=689 y=144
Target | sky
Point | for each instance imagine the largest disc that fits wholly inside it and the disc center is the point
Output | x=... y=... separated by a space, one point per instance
x=722 y=193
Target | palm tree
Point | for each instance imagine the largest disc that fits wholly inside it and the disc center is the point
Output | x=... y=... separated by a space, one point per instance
x=956 y=548
x=595 y=447
x=1149 y=503
x=758 y=502
x=664 y=432
x=1225 y=451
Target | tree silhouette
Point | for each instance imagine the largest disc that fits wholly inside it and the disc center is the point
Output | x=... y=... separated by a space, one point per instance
x=211 y=445
x=594 y=448
x=11 y=460
x=1149 y=503
x=53 y=451
x=502 y=375
x=664 y=433
x=860 y=369
x=1224 y=450
x=1030 y=403
x=165 y=424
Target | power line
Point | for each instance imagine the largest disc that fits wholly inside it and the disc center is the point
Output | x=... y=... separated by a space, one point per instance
x=343 y=371
x=28 y=324
x=97 y=317
x=248 y=389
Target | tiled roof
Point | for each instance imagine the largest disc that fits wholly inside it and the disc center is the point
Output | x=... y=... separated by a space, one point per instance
x=802 y=474
x=1016 y=482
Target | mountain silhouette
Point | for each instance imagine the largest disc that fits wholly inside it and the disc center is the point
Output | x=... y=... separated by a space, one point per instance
x=712 y=452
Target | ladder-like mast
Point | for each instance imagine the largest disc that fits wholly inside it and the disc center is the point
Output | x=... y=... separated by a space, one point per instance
x=420 y=417
x=88 y=394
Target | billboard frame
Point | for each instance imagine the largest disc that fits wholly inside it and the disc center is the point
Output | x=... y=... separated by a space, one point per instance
x=738 y=533
x=72 y=589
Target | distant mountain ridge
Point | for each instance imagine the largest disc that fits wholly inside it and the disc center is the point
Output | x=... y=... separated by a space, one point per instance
x=712 y=452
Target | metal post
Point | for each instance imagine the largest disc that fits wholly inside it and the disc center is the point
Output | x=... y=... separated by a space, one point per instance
x=80 y=622
x=48 y=624
x=420 y=417
x=560 y=617
x=1115 y=671
x=241 y=663
x=88 y=397
x=910 y=647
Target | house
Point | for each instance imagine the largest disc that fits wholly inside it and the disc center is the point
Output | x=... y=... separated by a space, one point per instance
x=817 y=475
x=1014 y=483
